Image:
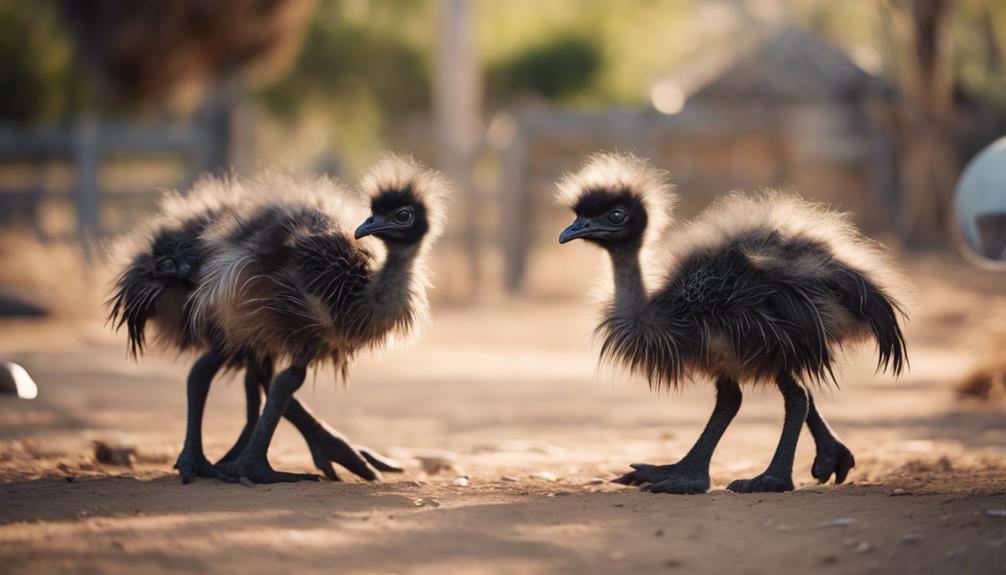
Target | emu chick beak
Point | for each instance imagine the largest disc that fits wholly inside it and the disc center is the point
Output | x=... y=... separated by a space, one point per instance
x=579 y=228
x=371 y=226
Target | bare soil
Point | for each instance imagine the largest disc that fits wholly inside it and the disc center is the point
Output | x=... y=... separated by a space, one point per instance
x=509 y=390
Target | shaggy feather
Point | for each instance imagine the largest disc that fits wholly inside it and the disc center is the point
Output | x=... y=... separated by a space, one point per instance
x=284 y=279
x=757 y=286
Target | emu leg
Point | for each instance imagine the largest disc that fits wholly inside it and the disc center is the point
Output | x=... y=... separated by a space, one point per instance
x=328 y=445
x=691 y=474
x=192 y=461
x=257 y=374
x=832 y=457
x=252 y=466
x=779 y=475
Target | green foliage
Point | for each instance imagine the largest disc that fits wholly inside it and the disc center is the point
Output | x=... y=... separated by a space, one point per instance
x=343 y=61
x=554 y=69
x=36 y=64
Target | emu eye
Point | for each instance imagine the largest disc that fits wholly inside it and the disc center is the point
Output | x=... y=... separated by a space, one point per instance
x=617 y=216
x=167 y=266
x=403 y=216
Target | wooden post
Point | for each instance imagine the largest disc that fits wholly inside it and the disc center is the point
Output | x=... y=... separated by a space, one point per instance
x=457 y=107
x=87 y=161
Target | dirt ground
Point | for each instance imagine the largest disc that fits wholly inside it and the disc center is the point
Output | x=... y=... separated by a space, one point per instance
x=510 y=391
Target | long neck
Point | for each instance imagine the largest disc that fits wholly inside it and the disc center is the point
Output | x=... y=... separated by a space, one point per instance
x=395 y=297
x=630 y=293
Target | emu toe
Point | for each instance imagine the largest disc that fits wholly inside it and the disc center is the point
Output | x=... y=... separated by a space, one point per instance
x=763 y=483
x=251 y=471
x=646 y=474
x=328 y=448
x=835 y=460
x=191 y=465
x=685 y=484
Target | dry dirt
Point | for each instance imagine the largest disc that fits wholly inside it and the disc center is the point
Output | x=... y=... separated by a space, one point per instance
x=510 y=390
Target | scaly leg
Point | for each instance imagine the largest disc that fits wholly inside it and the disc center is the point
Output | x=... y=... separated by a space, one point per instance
x=691 y=474
x=192 y=461
x=257 y=375
x=252 y=465
x=779 y=475
x=832 y=457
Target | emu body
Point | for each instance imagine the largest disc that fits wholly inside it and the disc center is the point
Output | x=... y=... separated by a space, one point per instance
x=153 y=293
x=287 y=281
x=758 y=288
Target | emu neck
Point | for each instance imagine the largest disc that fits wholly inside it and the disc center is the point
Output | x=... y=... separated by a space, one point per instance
x=630 y=293
x=392 y=293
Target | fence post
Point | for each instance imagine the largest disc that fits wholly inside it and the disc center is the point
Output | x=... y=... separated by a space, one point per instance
x=87 y=161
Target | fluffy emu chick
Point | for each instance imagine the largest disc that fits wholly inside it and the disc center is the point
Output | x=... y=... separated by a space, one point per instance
x=287 y=281
x=161 y=264
x=759 y=288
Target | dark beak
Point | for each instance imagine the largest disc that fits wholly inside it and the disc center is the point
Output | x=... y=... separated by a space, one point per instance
x=580 y=227
x=371 y=226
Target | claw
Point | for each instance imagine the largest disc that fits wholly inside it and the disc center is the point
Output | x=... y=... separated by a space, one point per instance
x=836 y=460
x=763 y=483
x=252 y=470
x=190 y=466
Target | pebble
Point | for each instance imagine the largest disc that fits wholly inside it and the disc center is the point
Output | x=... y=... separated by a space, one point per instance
x=840 y=522
x=911 y=538
x=114 y=454
x=544 y=475
x=462 y=481
x=511 y=478
x=899 y=492
x=995 y=513
x=596 y=481
x=863 y=547
x=434 y=464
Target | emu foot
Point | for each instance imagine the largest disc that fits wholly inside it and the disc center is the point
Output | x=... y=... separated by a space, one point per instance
x=251 y=470
x=764 y=483
x=191 y=465
x=646 y=474
x=328 y=448
x=835 y=459
x=685 y=483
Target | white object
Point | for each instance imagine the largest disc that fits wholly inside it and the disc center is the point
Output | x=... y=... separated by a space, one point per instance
x=15 y=379
x=981 y=196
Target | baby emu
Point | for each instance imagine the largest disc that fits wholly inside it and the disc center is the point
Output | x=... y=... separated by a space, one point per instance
x=287 y=282
x=163 y=264
x=759 y=288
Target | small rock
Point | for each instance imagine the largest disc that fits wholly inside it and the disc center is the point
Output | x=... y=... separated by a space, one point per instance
x=114 y=454
x=995 y=513
x=840 y=522
x=957 y=552
x=659 y=532
x=911 y=538
x=434 y=464
x=511 y=478
x=829 y=559
x=426 y=503
x=596 y=481
x=616 y=555
x=863 y=547
x=544 y=476
x=674 y=563
x=462 y=481
x=899 y=492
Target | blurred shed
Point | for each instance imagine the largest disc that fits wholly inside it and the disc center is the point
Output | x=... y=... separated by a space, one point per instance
x=781 y=109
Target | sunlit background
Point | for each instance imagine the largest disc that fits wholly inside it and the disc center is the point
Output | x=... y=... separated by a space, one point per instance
x=872 y=106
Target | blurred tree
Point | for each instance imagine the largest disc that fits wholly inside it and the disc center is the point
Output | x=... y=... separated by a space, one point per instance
x=39 y=80
x=560 y=66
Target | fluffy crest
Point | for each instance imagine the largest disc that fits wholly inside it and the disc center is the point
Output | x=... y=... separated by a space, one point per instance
x=615 y=173
x=397 y=179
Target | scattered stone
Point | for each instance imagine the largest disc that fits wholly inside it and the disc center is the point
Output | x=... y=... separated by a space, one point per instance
x=829 y=559
x=863 y=547
x=420 y=502
x=14 y=379
x=840 y=522
x=462 y=481
x=544 y=476
x=510 y=478
x=114 y=454
x=995 y=513
x=616 y=555
x=674 y=563
x=899 y=492
x=957 y=552
x=659 y=532
x=911 y=538
x=596 y=481
x=434 y=464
